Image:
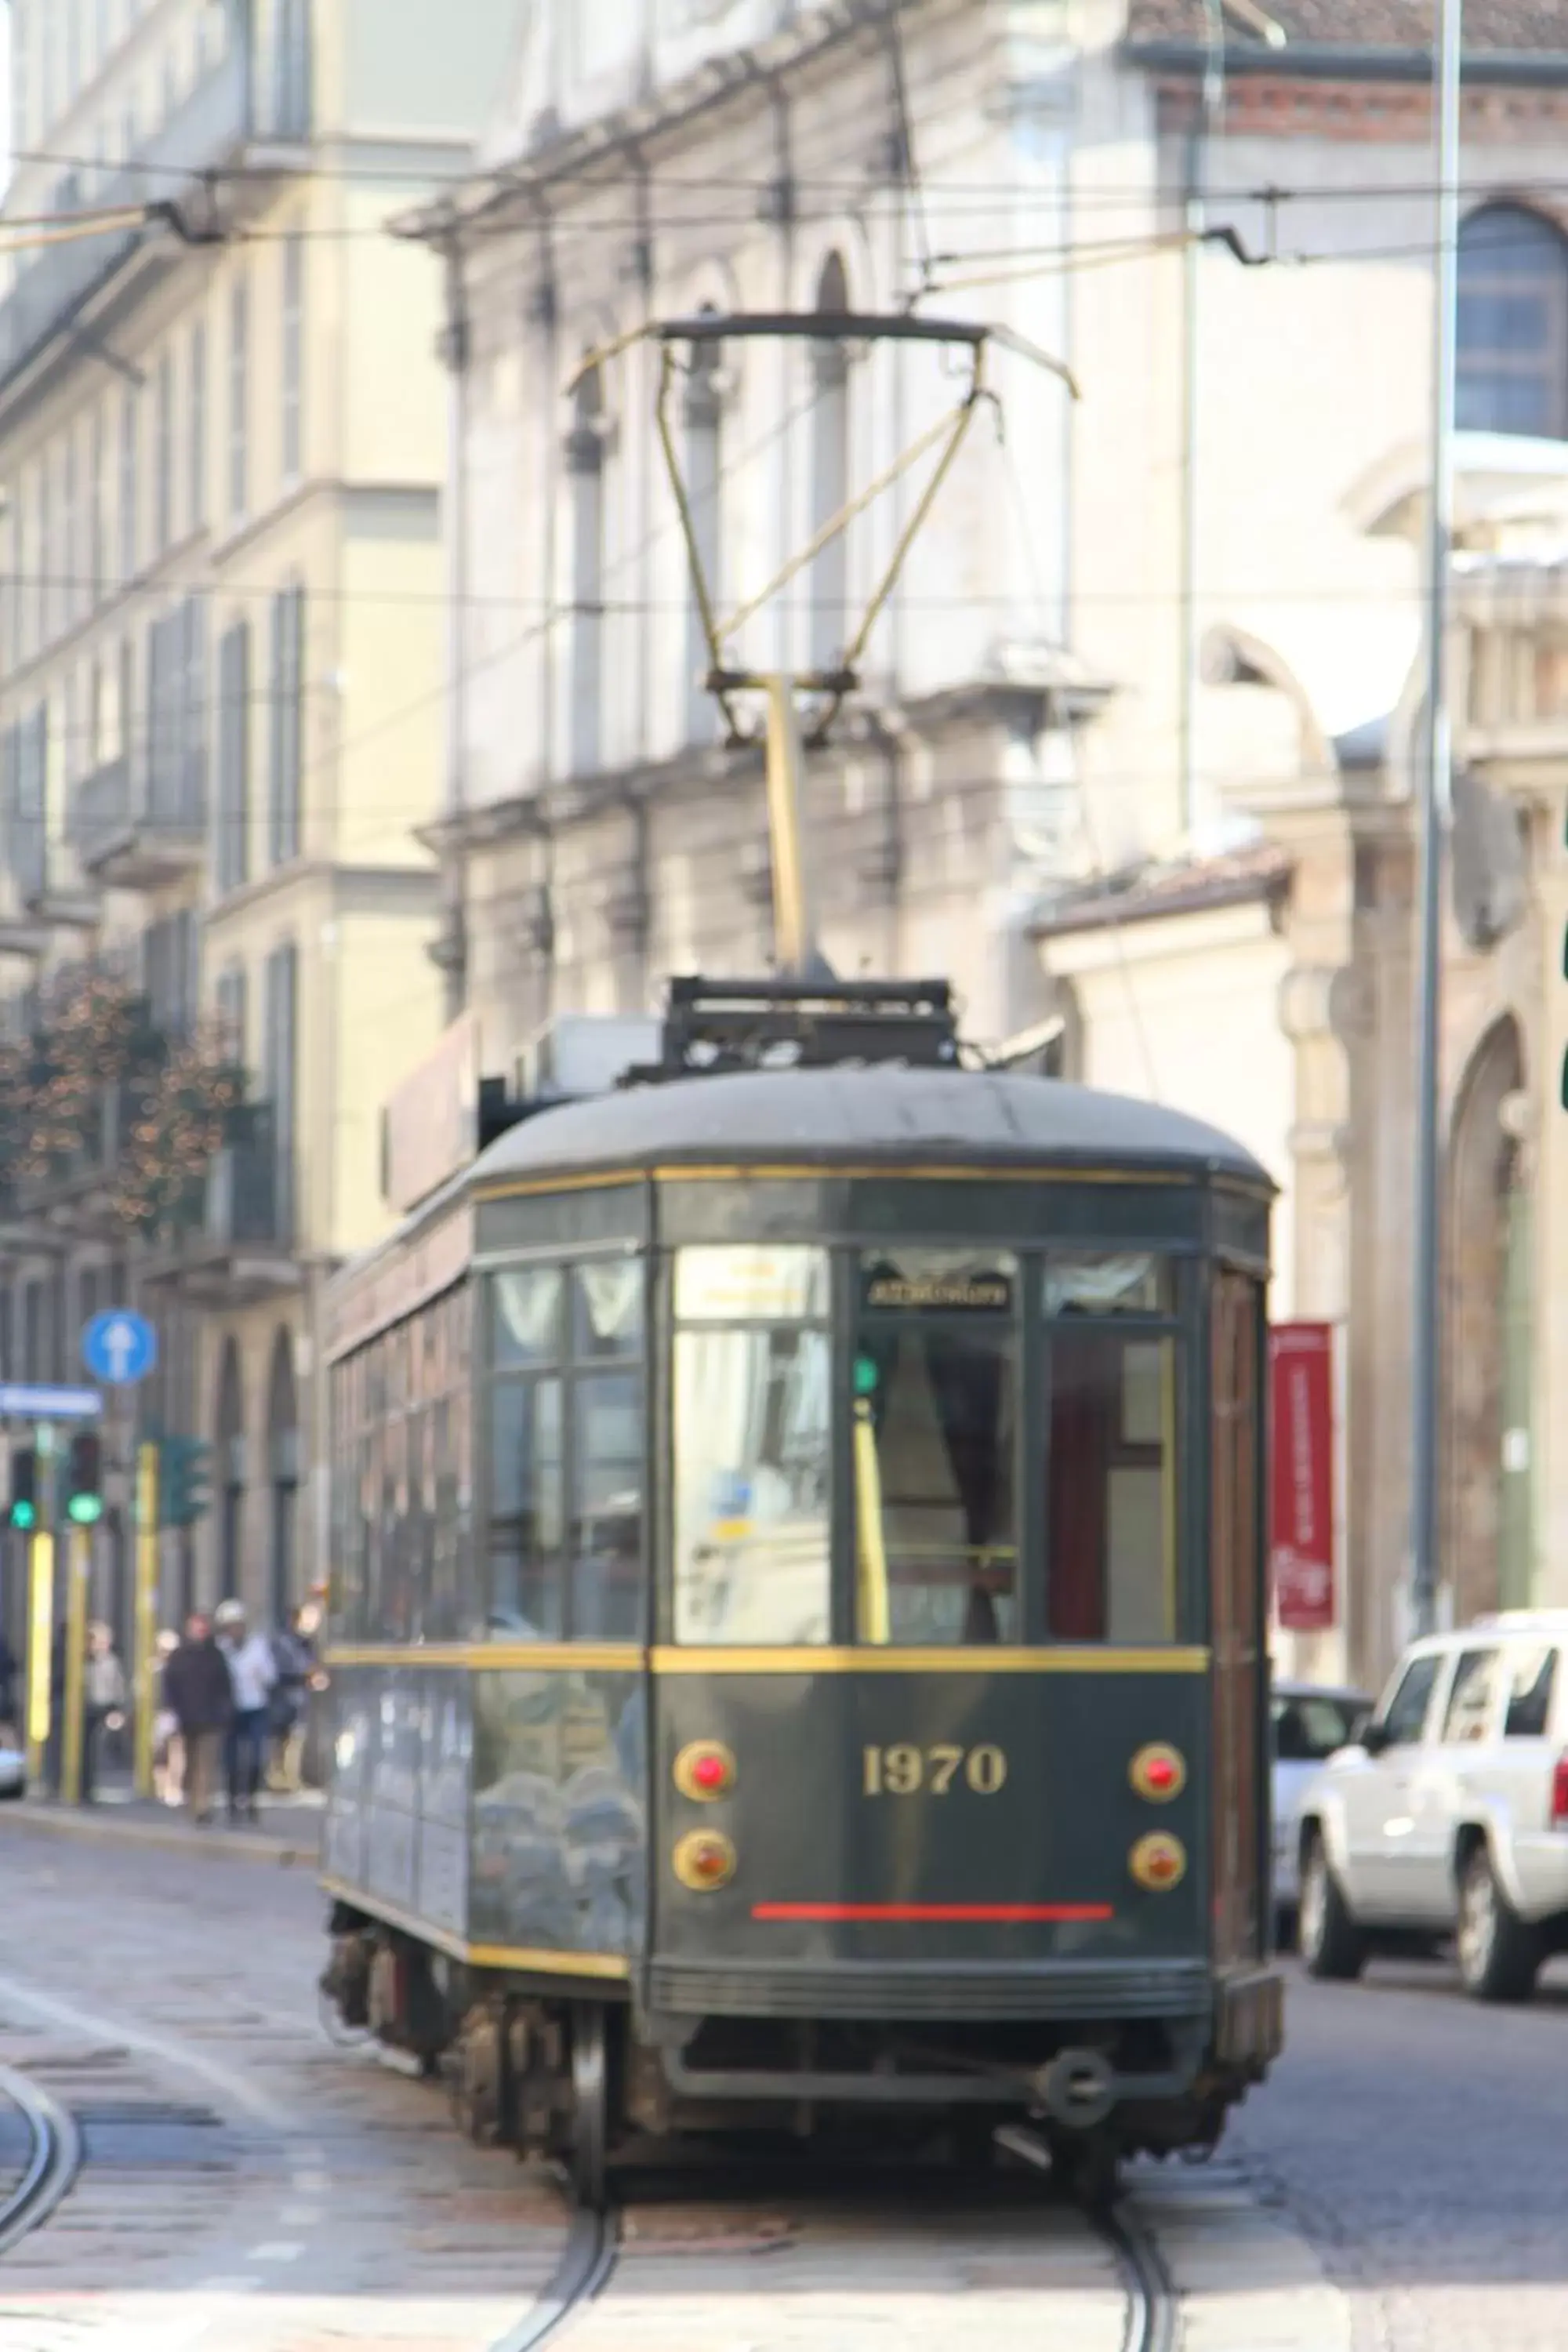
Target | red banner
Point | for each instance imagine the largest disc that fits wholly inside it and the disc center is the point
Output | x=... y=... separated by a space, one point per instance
x=1301 y=1483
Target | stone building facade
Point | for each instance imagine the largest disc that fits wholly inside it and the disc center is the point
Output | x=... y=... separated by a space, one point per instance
x=1162 y=622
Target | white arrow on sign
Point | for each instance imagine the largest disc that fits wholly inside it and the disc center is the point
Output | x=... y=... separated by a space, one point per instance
x=120 y=1348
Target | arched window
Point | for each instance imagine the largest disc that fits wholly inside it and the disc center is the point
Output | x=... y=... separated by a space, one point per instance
x=1512 y=324
x=830 y=475
x=586 y=473
x=704 y=418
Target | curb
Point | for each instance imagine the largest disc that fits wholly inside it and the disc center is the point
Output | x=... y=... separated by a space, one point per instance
x=94 y=1829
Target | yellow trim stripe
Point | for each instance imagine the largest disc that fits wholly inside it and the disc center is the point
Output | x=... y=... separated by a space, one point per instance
x=588 y=1183
x=1047 y=1173
x=625 y=1657
x=495 y=1657
x=481 y=1956
x=980 y=1660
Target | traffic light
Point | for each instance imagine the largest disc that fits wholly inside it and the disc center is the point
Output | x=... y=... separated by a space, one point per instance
x=25 y=1489
x=184 y=1481
x=84 y=1479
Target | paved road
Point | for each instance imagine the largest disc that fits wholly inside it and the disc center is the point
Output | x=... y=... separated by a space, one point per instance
x=1422 y=2142
x=1415 y=2141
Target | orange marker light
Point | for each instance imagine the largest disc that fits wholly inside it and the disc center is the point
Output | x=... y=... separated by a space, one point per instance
x=703 y=1860
x=704 y=1769
x=1158 y=1773
x=1158 y=1861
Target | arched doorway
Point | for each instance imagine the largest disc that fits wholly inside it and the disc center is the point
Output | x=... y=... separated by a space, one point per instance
x=283 y=1473
x=1489 y=1526
x=231 y=1473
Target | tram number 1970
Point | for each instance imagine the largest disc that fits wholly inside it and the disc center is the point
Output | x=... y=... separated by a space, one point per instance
x=909 y=1771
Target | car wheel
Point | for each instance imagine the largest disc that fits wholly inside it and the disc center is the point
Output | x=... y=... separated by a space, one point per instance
x=1331 y=1944
x=1498 y=1953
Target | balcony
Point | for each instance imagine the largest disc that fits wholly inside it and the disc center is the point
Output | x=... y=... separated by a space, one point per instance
x=240 y=1249
x=202 y=134
x=137 y=831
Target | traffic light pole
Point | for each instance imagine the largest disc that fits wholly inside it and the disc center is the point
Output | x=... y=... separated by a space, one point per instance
x=146 y=1655
x=79 y=1571
x=41 y=1640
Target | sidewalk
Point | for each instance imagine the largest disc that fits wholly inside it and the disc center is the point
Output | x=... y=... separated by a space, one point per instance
x=288 y=1837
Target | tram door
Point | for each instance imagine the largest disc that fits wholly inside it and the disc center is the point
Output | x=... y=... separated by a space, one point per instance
x=1236 y=1608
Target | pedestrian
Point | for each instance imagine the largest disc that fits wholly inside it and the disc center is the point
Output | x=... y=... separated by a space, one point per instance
x=168 y=1748
x=54 y=1745
x=199 y=1695
x=252 y=1671
x=294 y=1656
x=103 y=1698
x=8 y=1722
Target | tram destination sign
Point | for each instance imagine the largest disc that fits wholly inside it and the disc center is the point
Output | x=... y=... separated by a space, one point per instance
x=887 y=1290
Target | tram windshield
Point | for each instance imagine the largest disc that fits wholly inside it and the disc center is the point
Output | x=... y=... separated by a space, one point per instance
x=936 y=1389
x=1110 y=1459
x=753 y=1446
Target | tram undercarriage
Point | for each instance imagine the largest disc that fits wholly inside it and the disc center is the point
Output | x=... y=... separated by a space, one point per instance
x=574 y=2079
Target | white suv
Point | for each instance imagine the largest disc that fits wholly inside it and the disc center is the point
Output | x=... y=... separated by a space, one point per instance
x=1449 y=1815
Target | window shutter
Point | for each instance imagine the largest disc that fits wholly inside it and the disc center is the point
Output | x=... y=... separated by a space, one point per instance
x=280 y=1074
x=233 y=844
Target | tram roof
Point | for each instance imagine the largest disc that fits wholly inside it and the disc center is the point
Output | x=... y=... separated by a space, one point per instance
x=857 y=1115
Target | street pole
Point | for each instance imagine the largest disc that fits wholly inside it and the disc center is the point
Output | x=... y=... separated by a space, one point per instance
x=145 y=1672
x=40 y=1645
x=793 y=932
x=1437 y=778
x=79 y=1571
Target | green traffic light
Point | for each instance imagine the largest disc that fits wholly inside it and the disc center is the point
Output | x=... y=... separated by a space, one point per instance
x=24 y=1516
x=85 y=1510
x=865 y=1376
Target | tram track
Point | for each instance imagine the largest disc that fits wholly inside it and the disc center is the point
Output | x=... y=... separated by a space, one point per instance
x=52 y=2162
x=599 y=2244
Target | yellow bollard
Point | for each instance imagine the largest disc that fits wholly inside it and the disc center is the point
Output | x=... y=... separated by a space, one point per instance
x=78 y=1569
x=145 y=1679
x=40 y=1639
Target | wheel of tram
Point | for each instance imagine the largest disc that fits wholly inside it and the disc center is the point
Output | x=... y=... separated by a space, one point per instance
x=590 y=2106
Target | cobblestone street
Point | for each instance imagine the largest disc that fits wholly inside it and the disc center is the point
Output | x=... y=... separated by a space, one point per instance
x=1418 y=2139
x=249 y=2188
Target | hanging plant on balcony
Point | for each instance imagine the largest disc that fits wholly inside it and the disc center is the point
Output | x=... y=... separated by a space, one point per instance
x=185 y=1113
x=93 y=1033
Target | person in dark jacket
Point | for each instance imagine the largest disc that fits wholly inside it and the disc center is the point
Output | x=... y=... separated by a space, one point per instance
x=198 y=1693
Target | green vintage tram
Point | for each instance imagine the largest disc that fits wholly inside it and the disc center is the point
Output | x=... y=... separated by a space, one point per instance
x=798 y=1603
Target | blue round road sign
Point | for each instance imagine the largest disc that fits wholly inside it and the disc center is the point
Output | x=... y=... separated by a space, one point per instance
x=119 y=1347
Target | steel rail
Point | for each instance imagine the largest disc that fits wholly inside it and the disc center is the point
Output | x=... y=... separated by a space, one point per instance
x=54 y=2158
x=586 y=2261
x=1153 y=2312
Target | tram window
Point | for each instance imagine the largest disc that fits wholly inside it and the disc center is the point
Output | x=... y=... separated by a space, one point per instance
x=752 y=1447
x=527 y=1518
x=607 y=1507
x=1133 y=1284
x=526 y=1323
x=1110 y=1501
x=935 y=1444
x=606 y=1311
x=565 y=1548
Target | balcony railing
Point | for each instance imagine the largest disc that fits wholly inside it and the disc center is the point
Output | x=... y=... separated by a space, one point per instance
x=246 y=1204
x=201 y=135
x=142 y=826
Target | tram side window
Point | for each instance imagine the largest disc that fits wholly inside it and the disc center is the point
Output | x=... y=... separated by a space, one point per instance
x=935 y=1446
x=567 y=1450
x=1112 y=1407
x=752 y=1447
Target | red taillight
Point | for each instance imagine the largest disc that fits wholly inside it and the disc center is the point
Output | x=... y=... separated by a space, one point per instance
x=1560 y=1794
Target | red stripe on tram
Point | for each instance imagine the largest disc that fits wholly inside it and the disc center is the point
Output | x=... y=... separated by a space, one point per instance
x=998 y=1914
